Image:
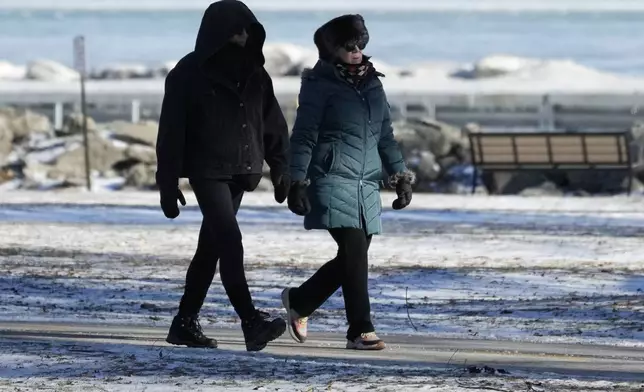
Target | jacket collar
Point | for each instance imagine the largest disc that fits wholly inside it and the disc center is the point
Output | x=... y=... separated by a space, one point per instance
x=326 y=70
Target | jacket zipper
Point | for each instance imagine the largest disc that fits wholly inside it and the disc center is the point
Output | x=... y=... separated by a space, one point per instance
x=362 y=213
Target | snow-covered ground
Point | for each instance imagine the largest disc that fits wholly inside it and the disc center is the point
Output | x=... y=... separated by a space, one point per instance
x=473 y=267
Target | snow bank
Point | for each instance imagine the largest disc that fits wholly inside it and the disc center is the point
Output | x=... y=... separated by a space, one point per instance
x=50 y=71
x=496 y=74
x=10 y=71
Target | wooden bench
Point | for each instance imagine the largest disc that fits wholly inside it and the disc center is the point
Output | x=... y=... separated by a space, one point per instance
x=543 y=151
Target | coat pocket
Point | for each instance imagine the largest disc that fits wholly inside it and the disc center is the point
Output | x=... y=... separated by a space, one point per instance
x=329 y=160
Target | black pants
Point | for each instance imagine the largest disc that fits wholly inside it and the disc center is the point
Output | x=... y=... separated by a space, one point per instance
x=220 y=239
x=349 y=270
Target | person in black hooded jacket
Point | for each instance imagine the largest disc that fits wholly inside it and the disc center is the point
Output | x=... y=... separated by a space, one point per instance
x=219 y=121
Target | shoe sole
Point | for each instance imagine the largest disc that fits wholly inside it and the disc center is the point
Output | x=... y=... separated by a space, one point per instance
x=287 y=305
x=178 y=342
x=276 y=330
x=374 y=347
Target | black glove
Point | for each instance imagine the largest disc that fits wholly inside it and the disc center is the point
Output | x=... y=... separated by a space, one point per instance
x=298 y=201
x=169 y=197
x=403 y=189
x=281 y=185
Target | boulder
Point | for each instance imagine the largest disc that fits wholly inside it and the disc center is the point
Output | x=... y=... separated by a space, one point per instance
x=507 y=183
x=287 y=60
x=546 y=189
x=10 y=71
x=124 y=71
x=141 y=176
x=166 y=67
x=6 y=139
x=142 y=133
x=73 y=124
x=438 y=137
x=71 y=164
x=24 y=123
x=141 y=153
x=50 y=71
x=597 y=182
x=496 y=65
x=431 y=149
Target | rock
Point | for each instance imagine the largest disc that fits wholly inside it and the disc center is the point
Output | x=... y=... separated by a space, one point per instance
x=427 y=169
x=124 y=71
x=432 y=149
x=597 y=182
x=50 y=71
x=141 y=176
x=493 y=66
x=165 y=69
x=509 y=183
x=73 y=124
x=103 y=156
x=24 y=123
x=6 y=139
x=438 y=137
x=28 y=123
x=141 y=153
x=10 y=71
x=546 y=189
x=141 y=133
x=286 y=59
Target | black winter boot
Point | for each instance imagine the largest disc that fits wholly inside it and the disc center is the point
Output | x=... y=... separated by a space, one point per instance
x=186 y=331
x=260 y=330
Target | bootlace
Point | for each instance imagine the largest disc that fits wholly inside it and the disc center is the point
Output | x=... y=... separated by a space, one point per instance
x=195 y=326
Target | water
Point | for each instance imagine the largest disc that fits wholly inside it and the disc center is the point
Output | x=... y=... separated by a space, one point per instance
x=610 y=41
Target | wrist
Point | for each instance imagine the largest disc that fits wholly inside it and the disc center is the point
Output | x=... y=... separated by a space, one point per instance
x=406 y=176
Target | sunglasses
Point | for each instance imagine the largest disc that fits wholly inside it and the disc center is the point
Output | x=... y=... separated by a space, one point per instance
x=351 y=46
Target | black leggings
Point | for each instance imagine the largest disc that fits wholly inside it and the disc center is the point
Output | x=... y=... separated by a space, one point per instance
x=349 y=270
x=219 y=240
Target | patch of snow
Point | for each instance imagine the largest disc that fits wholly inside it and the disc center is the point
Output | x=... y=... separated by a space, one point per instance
x=10 y=71
x=531 y=269
x=50 y=71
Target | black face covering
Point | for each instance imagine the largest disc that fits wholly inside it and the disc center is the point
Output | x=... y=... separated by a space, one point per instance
x=233 y=62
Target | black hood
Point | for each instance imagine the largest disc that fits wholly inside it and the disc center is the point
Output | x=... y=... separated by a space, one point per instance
x=339 y=31
x=221 y=21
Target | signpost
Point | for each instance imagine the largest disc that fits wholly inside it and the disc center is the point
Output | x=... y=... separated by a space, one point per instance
x=79 y=64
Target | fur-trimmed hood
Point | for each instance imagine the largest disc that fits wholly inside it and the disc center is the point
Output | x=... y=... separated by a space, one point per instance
x=337 y=32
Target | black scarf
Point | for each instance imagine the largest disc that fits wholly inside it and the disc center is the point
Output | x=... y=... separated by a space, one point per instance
x=355 y=74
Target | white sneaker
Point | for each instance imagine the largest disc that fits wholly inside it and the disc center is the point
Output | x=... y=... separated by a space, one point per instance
x=297 y=326
x=366 y=341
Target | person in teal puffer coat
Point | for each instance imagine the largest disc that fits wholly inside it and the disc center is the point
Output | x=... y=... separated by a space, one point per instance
x=341 y=140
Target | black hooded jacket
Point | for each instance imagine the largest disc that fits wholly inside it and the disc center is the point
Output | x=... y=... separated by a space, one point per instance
x=220 y=116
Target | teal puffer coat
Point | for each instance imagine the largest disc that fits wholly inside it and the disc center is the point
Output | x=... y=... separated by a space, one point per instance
x=341 y=140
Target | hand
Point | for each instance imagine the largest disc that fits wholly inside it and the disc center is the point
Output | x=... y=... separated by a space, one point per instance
x=281 y=185
x=404 y=192
x=169 y=199
x=298 y=201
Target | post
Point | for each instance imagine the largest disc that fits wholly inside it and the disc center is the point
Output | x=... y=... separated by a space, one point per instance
x=136 y=111
x=79 y=63
x=546 y=114
x=58 y=116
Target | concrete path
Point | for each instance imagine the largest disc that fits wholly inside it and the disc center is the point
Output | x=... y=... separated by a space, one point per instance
x=578 y=361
